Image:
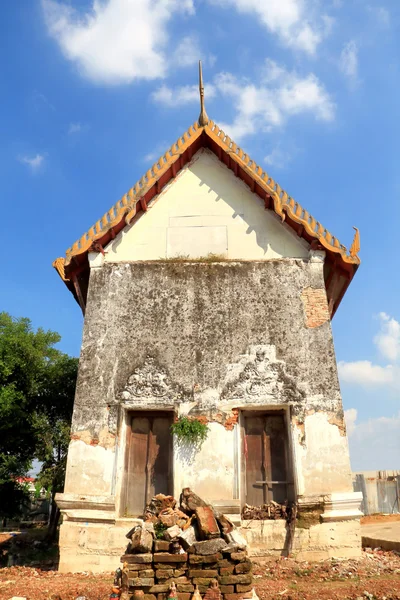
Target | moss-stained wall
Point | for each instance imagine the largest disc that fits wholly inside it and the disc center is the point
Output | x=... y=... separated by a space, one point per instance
x=208 y=338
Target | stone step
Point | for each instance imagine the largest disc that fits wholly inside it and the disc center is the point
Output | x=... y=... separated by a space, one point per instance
x=235 y=518
x=228 y=507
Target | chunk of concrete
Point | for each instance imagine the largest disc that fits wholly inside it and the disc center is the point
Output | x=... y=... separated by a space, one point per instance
x=188 y=537
x=236 y=538
x=172 y=533
x=225 y=524
x=209 y=546
x=141 y=541
x=190 y=501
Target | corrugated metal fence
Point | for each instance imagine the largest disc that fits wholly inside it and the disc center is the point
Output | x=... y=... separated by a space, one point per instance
x=380 y=490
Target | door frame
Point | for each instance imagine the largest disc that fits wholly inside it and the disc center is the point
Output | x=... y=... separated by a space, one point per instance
x=289 y=456
x=130 y=413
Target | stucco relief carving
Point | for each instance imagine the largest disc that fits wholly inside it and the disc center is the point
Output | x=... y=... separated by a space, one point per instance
x=112 y=421
x=259 y=376
x=150 y=381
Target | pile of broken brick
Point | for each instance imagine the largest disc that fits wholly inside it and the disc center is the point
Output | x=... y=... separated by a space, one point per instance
x=272 y=510
x=188 y=550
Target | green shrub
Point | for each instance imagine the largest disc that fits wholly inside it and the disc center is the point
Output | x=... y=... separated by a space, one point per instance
x=190 y=431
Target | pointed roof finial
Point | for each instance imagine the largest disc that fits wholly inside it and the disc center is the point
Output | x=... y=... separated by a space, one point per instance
x=355 y=246
x=203 y=117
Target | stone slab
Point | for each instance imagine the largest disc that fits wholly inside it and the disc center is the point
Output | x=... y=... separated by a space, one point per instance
x=162 y=557
x=234 y=579
x=209 y=546
x=211 y=558
x=203 y=573
x=136 y=558
x=207 y=523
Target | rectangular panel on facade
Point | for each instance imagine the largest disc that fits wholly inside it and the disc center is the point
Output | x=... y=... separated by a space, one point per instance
x=149 y=458
x=265 y=447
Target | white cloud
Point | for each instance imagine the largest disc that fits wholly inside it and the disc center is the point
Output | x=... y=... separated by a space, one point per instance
x=348 y=62
x=388 y=338
x=364 y=372
x=295 y=22
x=187 y=52
x=380 y=14
x=350 y=417
x=117 y=41
x=280 y=95
x=278 y=158
x=375 y=443
x=181 y=95
x=74 y=128
x=34 y=162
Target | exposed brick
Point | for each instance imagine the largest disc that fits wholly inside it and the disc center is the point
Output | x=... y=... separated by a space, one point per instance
x=203 y=573
x=185 y=587
x=183 y=595
x=183 y=580
x=202 y=580
x=233 y=579
x=179 y=572
x=232 y=596
x=231 y=421
x=202 y=588
x=137 y=558
x=141 y=582
x=227 y=589
x=146 y=573
x=211 y=558
x=159 y=588
x=161 y=546
x=243 y=567
x=227 y=570
x=244 y=588
x=164 y=557
x=164 y=573
x=207 y=523
x=224 y=563
x=247 y=595
x=315 y=306
x=238 y=556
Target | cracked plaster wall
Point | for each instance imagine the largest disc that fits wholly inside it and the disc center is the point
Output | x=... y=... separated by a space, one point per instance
x=207 y=338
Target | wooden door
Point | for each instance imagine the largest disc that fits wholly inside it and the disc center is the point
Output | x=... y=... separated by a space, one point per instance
x=265 y=449
x=149 y=459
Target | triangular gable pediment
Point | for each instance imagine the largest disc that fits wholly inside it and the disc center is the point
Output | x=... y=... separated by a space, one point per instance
x=166 y=169
x=205 y=211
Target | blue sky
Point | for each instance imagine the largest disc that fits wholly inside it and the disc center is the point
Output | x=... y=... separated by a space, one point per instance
x=94 y=91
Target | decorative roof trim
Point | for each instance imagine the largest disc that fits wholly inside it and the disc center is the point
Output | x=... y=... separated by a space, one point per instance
x=282 y=204
x=59 y=265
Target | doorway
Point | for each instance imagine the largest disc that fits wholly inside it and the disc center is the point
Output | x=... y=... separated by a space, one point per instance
x=266 y=458
x=148 y=465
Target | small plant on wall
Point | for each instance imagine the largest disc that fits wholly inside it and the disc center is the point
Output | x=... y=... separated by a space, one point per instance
x=190 y=431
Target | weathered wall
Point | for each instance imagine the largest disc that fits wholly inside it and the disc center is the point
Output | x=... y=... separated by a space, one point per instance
x=206 y=209
x=208 y=339
x=200 y=336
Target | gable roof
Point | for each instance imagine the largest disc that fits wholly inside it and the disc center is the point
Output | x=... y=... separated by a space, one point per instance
x=340 y=264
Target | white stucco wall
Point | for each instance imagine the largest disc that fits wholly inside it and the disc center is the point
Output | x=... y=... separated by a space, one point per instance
x=322 y=465
x=206 y=209
x=211 y=470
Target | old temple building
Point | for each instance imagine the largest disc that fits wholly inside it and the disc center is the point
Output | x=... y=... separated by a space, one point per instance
x=208 y=292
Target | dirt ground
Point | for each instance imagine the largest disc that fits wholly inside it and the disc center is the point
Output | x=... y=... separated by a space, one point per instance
x=375 y=576
x=378 y=518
